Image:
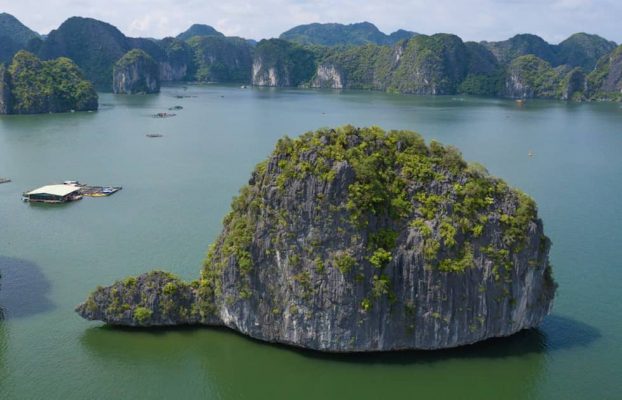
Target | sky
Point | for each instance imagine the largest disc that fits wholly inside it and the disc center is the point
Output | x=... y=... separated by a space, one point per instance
x=554 y=20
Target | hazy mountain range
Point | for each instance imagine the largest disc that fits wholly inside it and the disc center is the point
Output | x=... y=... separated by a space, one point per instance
x=359 y=56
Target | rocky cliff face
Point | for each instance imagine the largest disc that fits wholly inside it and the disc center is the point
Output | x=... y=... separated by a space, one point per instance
x=222 y=59
x=530 y=76
x=269 y=76
x=136 y=73
x=280 y=63
x=169 y=72
x=574 y=86
x=354 y=240
x=606 y=80
x=178 y=63
x=328 y=76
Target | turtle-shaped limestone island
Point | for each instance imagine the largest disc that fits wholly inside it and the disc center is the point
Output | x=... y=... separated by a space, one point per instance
x=354 y=240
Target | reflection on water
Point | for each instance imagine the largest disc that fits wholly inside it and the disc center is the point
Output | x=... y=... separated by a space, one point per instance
x=556 y=333
x=3 y=349
x=221 y=358
x=24 y=291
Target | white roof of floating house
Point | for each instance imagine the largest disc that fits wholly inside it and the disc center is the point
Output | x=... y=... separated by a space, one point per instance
x=55 y=190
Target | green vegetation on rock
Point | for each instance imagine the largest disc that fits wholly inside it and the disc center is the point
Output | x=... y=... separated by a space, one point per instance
x=47 y=86
x=221 y=59
x=605 y=82
x=136 y=73
x=281 y=63
x=394 y=175
x=344 y=238
x=333 y=34
x=198 y=30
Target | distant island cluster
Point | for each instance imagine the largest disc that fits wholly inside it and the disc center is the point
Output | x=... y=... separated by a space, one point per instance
x=61 y=71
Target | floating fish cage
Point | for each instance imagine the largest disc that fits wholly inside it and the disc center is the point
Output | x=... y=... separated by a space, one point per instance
x=66 y=192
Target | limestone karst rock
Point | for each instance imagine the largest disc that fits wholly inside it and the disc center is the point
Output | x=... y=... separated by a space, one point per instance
x=354 y=240
x=136 y=73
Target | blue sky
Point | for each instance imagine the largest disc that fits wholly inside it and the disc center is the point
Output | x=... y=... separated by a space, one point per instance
x=554 y=20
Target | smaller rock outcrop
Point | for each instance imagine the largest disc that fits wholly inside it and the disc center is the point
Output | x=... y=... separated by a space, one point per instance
x=153 y=299
x=136 y=73
x=32 y=86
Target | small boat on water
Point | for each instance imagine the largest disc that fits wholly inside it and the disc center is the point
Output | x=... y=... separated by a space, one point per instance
x=531 y=153
x=520 y=102
x=154 y=135
x=4 y=180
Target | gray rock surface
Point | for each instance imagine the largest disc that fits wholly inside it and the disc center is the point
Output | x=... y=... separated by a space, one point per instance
x=574 y=85
x=170 y=72
x=328 y=76
x=354 y=240
x=272 y=76
x=136 y=73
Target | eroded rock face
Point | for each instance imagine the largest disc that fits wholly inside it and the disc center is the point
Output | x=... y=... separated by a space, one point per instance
x=328 y=76
x=136 y=73
x=270 y=76
x=574 y=85
x=355 y=240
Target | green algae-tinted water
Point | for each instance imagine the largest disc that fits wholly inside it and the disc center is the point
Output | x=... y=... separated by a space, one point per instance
x=177 y=189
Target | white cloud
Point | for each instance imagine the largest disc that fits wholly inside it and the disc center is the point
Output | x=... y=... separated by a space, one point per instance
x=471 y=19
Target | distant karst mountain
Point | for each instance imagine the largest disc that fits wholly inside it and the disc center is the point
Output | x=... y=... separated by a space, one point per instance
x=338 y=56
x=199 y=30
x=333 y=34
x=583 y=50
x=579 y=50
x=13 y=36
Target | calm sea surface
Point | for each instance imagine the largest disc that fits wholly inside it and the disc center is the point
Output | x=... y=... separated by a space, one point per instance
x=176 y=190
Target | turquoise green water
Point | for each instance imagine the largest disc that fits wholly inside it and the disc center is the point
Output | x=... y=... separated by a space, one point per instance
x=177 y=189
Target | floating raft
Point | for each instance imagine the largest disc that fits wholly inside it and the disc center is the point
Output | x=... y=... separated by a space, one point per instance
x=164 y=115
x=67 y=191
x=4 y=180
x=99 y=191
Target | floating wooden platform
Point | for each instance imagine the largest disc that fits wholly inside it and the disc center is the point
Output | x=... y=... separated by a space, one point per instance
x=164 y=115
x=99 y=191
x=67 y=191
